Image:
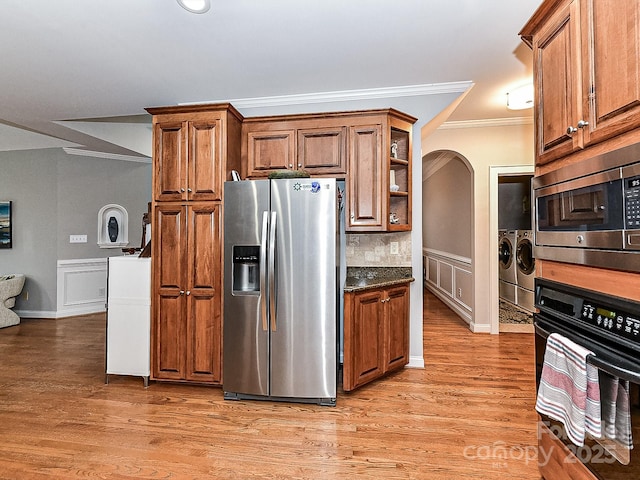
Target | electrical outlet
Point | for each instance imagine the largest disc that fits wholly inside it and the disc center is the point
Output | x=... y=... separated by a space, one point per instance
x=393 y=248
x=101 y=292
x=25 y=295
x=77 y=239
x=459 y=293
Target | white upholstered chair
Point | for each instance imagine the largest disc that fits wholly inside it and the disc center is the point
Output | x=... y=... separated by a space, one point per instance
x=10 y=288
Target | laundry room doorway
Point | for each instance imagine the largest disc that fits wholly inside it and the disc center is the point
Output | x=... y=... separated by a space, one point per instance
x=511 y=214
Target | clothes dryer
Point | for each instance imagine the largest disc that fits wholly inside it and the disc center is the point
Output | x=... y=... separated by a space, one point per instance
x=524 y=260
x=525 y=270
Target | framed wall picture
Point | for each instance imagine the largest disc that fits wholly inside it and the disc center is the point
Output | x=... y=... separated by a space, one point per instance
x=6 y=240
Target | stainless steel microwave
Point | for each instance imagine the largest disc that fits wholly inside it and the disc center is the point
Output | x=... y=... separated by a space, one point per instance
x=589 y=212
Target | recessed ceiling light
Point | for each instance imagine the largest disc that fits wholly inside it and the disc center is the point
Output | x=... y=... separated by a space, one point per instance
x=195 y=6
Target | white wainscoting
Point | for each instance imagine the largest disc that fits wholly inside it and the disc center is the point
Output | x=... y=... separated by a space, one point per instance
x=82 y=286
x=449 y=277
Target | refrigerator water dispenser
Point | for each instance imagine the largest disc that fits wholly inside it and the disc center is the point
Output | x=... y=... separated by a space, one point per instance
x=246 y=268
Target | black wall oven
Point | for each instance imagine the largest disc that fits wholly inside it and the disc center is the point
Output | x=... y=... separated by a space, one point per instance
x=609 y=327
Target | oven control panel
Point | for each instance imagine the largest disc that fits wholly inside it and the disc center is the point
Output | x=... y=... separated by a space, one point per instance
x=617 y=322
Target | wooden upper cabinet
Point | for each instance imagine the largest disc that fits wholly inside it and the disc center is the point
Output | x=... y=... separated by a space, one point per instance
x=612 y=46
x=170 y=160
x=366 y=148
x=367 y=206
x=205 y=177
x=269 y=150
x=196 y=148
x=556 y=63
x=288 y=143
x=586 y=73
x=379 y=154
x=323 y=150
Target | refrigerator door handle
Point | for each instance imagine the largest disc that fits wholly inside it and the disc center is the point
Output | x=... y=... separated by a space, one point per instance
x=263 y=271
x=272 y=271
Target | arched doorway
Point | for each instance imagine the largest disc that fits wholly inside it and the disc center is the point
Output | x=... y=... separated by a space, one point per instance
x=447 y=230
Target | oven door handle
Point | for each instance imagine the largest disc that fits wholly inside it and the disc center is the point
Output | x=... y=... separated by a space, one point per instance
x=597 y=361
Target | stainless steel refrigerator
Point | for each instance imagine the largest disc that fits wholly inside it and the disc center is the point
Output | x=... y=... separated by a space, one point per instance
x=282 y=290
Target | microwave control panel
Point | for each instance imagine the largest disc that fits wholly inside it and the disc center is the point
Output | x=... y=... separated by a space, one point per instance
x=632 y=202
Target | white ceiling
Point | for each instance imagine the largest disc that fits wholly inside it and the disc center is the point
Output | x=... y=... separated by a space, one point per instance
x=101 y=62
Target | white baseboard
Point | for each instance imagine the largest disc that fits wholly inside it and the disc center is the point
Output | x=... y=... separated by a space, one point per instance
x=415 y=362
x=48 y=314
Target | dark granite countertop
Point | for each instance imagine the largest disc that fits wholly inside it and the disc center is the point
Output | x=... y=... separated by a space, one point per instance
x=362 y=278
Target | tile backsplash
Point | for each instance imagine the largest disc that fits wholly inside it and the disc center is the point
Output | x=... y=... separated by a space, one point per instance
x=374 y=249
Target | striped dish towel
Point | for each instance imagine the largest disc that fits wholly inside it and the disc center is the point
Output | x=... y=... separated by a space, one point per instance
x=569 y=390
x=616 y=414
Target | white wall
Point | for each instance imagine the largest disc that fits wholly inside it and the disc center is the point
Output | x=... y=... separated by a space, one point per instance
x=484 y=147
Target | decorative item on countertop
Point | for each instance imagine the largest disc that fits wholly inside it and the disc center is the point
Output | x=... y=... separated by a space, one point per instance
x=393 y=218
x=289 y=174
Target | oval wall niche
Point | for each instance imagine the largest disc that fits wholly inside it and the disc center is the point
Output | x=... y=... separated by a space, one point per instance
x=113 y=226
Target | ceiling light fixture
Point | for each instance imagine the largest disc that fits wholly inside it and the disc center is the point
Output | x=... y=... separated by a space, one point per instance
x=520 y=98
x=195 y=6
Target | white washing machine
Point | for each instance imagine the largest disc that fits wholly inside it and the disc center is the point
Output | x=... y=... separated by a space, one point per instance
x=507 y=264
x=525 y=269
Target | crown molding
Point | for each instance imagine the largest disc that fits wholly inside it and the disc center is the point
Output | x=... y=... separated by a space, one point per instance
x=111 y=156
x=345 y=95
x=489 y=122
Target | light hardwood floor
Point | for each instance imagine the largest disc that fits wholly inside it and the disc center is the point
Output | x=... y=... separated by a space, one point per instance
x=468 y=414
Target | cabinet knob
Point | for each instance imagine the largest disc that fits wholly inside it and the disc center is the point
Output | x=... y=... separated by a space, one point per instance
x=181 y=292
x=571 y=130
x=188 y=292
x=182 y=189
x=582 y=124
x=299 y=165
x=189 y=190
x=291 y=165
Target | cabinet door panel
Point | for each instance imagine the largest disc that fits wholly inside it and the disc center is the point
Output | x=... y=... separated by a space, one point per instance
x=614 y=79
x=204 y=299
x=204 y=246
x=323 y=150
x=169 y=231
x=557 y=108
x=205 y=164
x=169 y=337
x=204 y=353
x=170 y=161
x=365 y=183
x=169 y=279
x=397 y=335
x=268 y=151
x=363 y=339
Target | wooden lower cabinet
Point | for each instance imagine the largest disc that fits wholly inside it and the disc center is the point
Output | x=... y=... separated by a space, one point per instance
x=376 y=334
x=187 y=313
